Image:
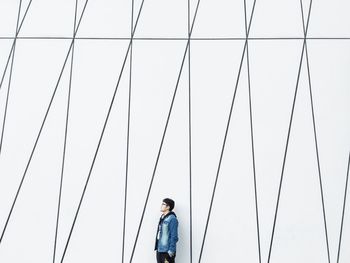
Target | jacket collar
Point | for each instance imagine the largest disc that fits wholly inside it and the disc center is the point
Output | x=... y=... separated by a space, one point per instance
x=162 y=218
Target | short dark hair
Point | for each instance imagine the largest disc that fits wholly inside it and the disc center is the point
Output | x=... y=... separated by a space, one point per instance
x=170 y=203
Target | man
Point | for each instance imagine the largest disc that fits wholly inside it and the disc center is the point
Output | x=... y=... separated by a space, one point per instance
x=167 y=233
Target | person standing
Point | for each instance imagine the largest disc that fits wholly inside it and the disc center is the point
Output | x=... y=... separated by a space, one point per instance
x=167 y=235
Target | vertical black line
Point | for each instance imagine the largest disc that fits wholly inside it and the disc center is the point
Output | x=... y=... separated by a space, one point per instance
x=343 y=213
x=65 y=135
x=40 y=130
x=288 y=136
x=163 y=135
x=315 y=135
x=128 y=134
x=252 y=136
x=10 y=78
x=225 y=137
x=13 y=43
x=190 y=124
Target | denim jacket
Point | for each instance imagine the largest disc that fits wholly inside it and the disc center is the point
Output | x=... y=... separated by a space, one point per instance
x=167 y=234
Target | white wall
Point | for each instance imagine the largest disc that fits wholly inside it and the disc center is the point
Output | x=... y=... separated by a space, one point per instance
x=217 y=72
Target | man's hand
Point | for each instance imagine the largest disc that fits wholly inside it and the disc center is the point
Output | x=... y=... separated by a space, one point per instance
x=171 y=254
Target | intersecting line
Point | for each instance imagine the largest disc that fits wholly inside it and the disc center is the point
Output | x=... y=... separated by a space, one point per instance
x=131 y=39
x=225 y=136
x=128 y=134
x=41 y=128
x=13 y=43
x=101 y=136
x=288 y=136
x=252 y=136
x=10 y=78
x=315 y=135
x=164 y=132
x=174 y=38
x=65 y=133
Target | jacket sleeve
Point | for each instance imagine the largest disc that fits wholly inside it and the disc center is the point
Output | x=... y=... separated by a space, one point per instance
x=173 y=235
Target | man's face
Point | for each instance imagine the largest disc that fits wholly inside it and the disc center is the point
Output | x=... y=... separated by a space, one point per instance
x=164 y=208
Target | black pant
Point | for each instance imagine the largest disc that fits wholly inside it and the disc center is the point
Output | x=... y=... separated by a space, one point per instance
x=163 y=257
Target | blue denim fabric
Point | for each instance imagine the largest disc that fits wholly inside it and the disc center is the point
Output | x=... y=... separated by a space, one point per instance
x=168 y=235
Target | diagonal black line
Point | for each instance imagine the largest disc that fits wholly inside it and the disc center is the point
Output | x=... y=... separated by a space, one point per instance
x=225 y=137
x=343 y=213
x=164 y=133
x=65 y=134
x=315 y=136
x=14 y=41
x=288 y=136
x=189 y=53
x=128 y=134
x=41 y=128
x=101 y=136
x=285 y=155
x=10 y=78
x=252 y=137
x=190 y=125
